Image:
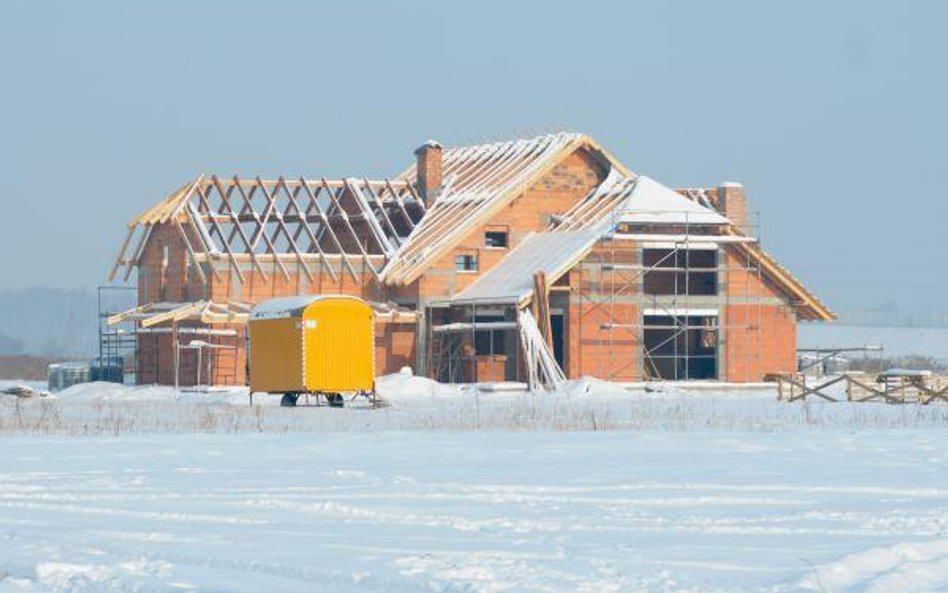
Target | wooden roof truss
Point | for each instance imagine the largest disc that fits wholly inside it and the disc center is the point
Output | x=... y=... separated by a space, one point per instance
x=598 y=205
x=478 y=180
x=307 y=221
x=207 y=312
x=229 y=313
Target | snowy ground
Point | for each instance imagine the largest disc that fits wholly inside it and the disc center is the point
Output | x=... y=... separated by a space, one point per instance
x=111 y=489
x=415 y=403
x=477 y=511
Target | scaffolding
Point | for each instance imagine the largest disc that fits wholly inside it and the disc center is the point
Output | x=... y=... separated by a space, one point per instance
x=611 y=285
x=197 y=353
x=524 y=354
x=118 y=344
x=666 y=288
x=199 y=350
x=452 y=338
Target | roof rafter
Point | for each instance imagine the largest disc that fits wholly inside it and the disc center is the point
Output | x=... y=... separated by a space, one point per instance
x=230 y=218
x=480 y=181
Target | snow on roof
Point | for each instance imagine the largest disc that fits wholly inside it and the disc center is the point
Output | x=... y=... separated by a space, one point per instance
x=638 y=200
x=511 y=280
x=649 y=202
x=429 y=143
x=283 y=307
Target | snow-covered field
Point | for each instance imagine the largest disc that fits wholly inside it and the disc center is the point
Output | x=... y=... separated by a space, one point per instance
x=111 y=489
x=414 y=403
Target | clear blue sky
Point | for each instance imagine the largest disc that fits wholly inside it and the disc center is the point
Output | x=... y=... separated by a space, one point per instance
x=831 y=114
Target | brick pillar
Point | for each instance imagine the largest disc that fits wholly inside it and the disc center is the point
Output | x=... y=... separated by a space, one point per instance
x=429 y=170
x=732 y=202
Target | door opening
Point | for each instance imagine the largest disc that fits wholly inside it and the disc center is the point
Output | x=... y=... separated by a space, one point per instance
x=557 y=324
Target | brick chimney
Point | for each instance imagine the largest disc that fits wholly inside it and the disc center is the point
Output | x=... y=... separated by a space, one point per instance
x=429 y=170
x=732 y=202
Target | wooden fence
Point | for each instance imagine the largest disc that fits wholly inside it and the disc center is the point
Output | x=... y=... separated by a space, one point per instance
x=860 y=388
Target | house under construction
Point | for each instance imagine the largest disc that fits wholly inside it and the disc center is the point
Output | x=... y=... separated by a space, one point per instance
x=530 y=260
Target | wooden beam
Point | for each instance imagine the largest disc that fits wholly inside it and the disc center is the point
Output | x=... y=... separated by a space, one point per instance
x=225 y=244
x=377 y=232
x=401 y=205
x=134 y=261
x=817 y=390
x=302 y=226
x=381 y=207
x=249 y=206
x=314 y=203
x=541 y=307
x=355 y=236
x=174 y=314
x=282 y=228
x=271 y=205
x=187 y=245
x=121 y=252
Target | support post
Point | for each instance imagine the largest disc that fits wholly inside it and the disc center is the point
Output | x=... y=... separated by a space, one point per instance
x=177 y=355
x=541 y=307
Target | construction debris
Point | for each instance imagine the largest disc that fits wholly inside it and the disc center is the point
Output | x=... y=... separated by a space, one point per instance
x=24 y=392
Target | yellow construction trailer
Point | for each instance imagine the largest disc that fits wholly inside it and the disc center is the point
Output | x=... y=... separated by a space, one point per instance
x=322 y=345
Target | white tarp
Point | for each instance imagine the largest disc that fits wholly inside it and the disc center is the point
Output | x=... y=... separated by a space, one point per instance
x=512 y=279
x=650 y=202
x=283 y=307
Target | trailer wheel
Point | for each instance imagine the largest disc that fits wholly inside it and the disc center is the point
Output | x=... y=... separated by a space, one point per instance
x=288 y=400
x=335 y=400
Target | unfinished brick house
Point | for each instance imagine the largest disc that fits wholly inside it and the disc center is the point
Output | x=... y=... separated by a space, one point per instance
x=531 y=260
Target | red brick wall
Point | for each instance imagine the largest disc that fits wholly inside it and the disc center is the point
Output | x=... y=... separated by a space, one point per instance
x=490 y=367
x=220 y=366
x=394 y=347
x=155 y=359
x=606 y=354
x=155 y=285
x=257 y=288
x=760 y=338
x=759 y=323
x=753 y=353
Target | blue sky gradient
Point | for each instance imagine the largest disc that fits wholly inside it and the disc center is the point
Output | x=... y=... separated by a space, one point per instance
x=831 y=114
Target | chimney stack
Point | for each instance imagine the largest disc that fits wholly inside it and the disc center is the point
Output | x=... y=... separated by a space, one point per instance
x=732 y=202
x=429 y=170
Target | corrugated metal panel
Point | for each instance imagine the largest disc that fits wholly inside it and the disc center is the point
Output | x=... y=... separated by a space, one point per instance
x=512 y=279
x=276 y=356
x=339 y=346
x=327 y=346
